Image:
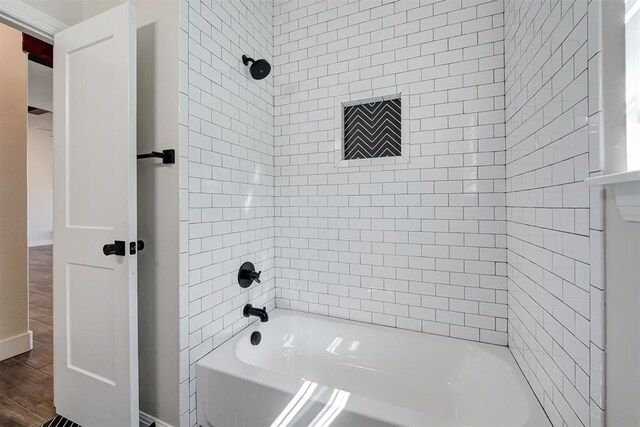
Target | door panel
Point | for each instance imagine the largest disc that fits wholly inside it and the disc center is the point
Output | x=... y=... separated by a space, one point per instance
x=90 y=163
x=83 y=284
x=95 y=295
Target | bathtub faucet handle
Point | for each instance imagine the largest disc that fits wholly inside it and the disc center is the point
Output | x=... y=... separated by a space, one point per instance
x=255 y=276
x=247 y=275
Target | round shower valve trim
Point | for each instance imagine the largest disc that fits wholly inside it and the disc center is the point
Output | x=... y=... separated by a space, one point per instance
x=247 y=275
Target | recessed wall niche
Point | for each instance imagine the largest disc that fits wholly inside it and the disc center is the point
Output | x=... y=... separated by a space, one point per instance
x=372 y=129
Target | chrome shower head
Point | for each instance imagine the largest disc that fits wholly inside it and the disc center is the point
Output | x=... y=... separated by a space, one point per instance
x=259 y=68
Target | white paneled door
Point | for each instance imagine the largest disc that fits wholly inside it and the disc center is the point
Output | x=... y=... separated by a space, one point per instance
x=94 y=268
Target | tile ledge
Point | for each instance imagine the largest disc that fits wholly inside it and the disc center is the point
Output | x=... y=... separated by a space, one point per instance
x=613 y=178
x=626 y=186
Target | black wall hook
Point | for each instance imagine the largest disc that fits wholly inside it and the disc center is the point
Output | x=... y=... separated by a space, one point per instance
x=168 y=156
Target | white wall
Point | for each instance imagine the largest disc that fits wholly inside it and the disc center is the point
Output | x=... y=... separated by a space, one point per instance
x=158 y=210
x=227 y=199
x=554 y=225
x=40 y=179
x=40 y=86
x=623 y=318
x=419 y=245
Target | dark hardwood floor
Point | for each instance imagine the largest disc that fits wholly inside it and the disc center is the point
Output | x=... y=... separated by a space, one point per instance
x=26 y=380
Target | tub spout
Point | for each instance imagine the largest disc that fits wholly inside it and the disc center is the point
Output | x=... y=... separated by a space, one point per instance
x=250 y=310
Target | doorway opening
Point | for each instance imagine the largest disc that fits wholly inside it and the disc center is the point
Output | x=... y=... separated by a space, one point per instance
x=26 y=224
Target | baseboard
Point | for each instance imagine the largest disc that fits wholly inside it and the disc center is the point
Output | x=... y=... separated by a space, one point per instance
x=18 y=344
x=35 y=243
x=146 y=420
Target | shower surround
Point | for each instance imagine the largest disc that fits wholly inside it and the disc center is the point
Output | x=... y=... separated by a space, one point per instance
x=455 y=241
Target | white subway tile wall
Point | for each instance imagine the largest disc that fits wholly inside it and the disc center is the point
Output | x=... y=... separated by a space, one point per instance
x=554 y=225
x=487 y=220
x=419 y=245
x=228 y=191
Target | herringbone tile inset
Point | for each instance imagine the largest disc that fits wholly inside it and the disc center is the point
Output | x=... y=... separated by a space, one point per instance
x=373 y=130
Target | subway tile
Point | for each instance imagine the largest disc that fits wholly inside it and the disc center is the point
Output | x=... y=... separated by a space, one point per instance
x=486 y=229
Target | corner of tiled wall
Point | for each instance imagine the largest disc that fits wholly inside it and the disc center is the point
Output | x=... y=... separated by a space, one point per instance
x=183 y=159
x=596 y=217
x=554 y=223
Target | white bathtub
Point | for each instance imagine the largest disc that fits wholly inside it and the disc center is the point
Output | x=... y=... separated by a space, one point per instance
x=315 y=370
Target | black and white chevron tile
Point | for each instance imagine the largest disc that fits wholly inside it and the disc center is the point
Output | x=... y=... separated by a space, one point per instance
x=60 y=421
x=373 y=130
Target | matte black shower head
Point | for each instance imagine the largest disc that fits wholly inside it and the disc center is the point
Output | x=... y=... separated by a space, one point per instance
x=259 y=68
